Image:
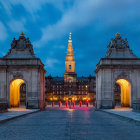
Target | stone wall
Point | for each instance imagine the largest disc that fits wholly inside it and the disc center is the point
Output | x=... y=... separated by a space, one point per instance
x=108 y=72
x=20 y=63
x=119 y=63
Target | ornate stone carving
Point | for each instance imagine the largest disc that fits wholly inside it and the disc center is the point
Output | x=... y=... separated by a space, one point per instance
x=21 y=48
x=118 y=42
x=119 y=48
x=13 y=44
x=17 y=75
x=121 y=75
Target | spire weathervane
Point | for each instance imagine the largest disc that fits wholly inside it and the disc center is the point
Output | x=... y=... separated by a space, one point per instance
x=70 y=37
x=117 y=34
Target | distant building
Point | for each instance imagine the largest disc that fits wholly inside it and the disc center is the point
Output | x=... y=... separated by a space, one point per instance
x=70 y=86
x=57 y=89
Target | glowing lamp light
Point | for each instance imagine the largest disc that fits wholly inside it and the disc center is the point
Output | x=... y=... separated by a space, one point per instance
x=15 y=92
x=55 y=98
x=87 y=100
x=125 y=91
x=84 y=98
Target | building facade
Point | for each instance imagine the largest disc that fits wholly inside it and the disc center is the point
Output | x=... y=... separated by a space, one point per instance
x=70 y=86
x=20 y=71
x=83 y=89
x=121 y=69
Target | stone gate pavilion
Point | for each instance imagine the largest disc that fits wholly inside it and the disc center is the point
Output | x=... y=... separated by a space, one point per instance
x=120 y=66
x=20 y=66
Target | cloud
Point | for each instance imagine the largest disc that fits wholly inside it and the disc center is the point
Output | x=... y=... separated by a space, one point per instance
x=101 y=14
x=3 y=53
x=59 y=47
x=50 y=62
x=7 y=6
x=30 y=5
x=3 y=32
x=72 y=19
x=17 y=25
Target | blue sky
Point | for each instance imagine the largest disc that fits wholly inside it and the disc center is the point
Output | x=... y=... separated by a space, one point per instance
x=48 y=22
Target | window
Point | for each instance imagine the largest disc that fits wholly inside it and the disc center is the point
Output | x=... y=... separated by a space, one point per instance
x=70 y=67
x=69 y=93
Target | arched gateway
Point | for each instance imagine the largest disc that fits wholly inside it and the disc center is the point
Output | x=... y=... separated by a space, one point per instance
x=15 y=93
x=119 y=69
x=22 y=76
x=125 y=94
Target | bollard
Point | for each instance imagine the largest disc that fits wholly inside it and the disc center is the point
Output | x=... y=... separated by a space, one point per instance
x=87 y=104
x=59 y=103
x=66 y=103
x=70 y=104
x=52 y=104
x=80 y=103
x=73 y=103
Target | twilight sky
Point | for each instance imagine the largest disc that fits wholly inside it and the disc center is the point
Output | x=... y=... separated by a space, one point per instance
x=48 y=22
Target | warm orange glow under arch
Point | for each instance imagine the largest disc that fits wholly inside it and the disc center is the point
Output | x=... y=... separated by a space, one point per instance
x=125 y=92
x=15 y=92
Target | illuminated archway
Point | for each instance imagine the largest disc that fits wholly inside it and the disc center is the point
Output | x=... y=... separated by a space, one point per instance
x=125 y=92
x=15 y=92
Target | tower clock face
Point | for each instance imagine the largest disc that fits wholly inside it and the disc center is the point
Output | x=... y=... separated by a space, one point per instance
x=70 y=79
x=69 y=51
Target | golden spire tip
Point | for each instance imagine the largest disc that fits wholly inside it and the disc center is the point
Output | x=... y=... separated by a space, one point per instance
x=70 y=37
x=117 y=34
x=22 y=34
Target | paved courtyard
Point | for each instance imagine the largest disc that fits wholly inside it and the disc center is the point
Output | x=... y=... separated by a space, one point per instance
x=15 y=112
x=70 y=124
x=124 y=112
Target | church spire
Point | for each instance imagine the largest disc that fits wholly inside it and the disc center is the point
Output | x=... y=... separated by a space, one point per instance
x=70 y=55
x=70 y=74
x=69 y=38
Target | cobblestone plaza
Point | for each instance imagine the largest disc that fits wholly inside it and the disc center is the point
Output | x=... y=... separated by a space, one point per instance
x=70 y=124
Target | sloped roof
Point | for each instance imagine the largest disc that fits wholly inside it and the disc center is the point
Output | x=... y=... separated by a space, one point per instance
x=21 y=48
x=119 y=48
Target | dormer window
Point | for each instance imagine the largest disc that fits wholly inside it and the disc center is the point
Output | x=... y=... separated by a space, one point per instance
x=70 y=67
